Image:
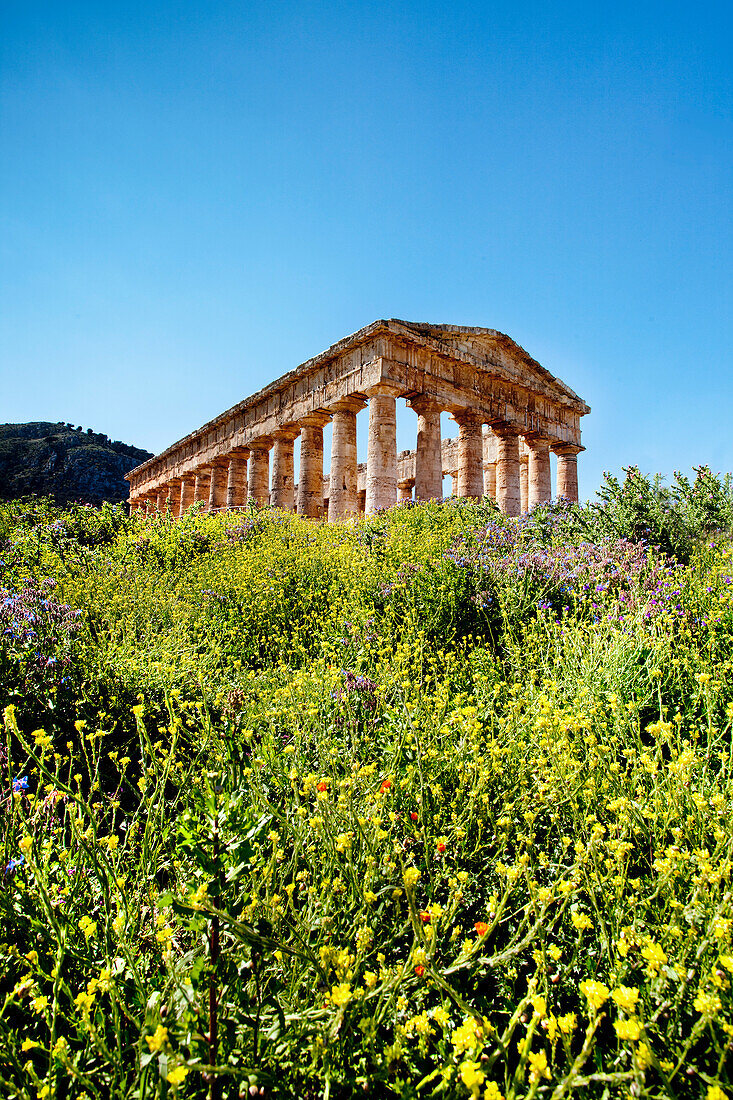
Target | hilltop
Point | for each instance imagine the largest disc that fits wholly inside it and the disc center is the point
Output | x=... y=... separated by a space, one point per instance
x=64 y=462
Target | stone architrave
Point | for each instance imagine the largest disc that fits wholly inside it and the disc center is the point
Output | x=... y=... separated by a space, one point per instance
x=186 y=497
x=283 y=469
x=218 y=485
x=428 y=456
x=567 y=470
x=508 y=492
x=470 y=454
x=310 y=474
x=540 y=480
x=259 y=472
x=237 y=479
x=343 y=487
x=523 y=482
x=381 y=476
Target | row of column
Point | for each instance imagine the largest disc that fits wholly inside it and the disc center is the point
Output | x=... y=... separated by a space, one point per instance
x=226 y=483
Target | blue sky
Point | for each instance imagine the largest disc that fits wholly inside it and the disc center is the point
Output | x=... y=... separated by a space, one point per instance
x=194 y=198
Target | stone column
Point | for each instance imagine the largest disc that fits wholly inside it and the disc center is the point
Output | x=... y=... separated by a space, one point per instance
x=362 y=501
x=381 y=477
x=507 y=470
x=218 y=485
x=172 y=495
x=282 y=493
x=186 y=497
x=540 y=482
x=201 y=485
x=428 y=457
x=237 y=479
x=567 y=470
x=523 y=481
x=404 y=489
x=343 y=484
x=470 y=468
x=453 y=484
x=489 y=442
x=160 y=500
x=310 y=475
x=259 y=471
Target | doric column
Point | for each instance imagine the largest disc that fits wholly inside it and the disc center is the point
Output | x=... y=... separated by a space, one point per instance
x=507 y=470
x=310 y=474
x=523 y=481
x=404 y=489
x=381 y=477
x=343 y=487
x=470 y=469
x=453 y=484
x=283 y=472
x=172 y=495
x=218 y=484
x=160 y=500
x=237 y=479
x=428 y=458
x=540 y=482
x=259 y=471
x=186 y=496
x=489 y=442
x=362 y=501
x=201 y=485
x=567 y=470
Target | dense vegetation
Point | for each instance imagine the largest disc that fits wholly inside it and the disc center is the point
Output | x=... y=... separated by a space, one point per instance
x=436 y=804
x=65 y=463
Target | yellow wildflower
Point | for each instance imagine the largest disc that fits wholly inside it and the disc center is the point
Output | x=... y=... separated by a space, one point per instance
x=595 y=992
x=626 y=998
x=158 y=1039
x=628 y=1029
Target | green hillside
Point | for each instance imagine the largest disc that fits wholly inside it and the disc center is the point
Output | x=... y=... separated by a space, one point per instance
x=65 y=463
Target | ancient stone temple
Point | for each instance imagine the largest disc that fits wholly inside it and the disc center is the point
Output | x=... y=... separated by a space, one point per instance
x=511 y=413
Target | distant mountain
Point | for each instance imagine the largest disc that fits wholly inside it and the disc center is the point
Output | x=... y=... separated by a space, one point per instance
x=64 y=462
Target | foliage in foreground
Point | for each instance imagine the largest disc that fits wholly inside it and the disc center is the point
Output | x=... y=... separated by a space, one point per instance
x=438 y=804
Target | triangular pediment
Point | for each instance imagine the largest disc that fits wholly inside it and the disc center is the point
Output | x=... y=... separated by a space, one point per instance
x=499 y=354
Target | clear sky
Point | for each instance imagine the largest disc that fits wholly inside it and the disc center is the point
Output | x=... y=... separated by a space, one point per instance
x=196 y=197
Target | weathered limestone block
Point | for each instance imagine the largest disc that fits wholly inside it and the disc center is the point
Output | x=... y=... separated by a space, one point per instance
x=489 y=441
x=470 y=455
x=540 y=481
x=186 y=497
x=428 y=455
x=508 y=492
x=342 y=488
x=405 y=486
x=310 y=475
x=201 y=485
x=282 y=494
x=218 y=485
x=523 y=481
x=237 y=479
x=381 y=479
x=567 y=471
x=259 y=471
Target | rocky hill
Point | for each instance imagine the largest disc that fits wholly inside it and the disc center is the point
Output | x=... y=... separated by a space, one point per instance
x=64 y=462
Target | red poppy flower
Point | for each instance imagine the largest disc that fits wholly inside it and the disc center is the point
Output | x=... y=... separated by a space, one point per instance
x=481 y=927
x=385 y=786
x=419 y=970
x=441 y=847
x=424 y=916
x=322 y=786
x=413 y=815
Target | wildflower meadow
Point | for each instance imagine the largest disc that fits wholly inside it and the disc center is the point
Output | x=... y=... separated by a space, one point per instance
x=433 y=804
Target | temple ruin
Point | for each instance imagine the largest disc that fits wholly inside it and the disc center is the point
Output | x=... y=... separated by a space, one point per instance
x=511 y=413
